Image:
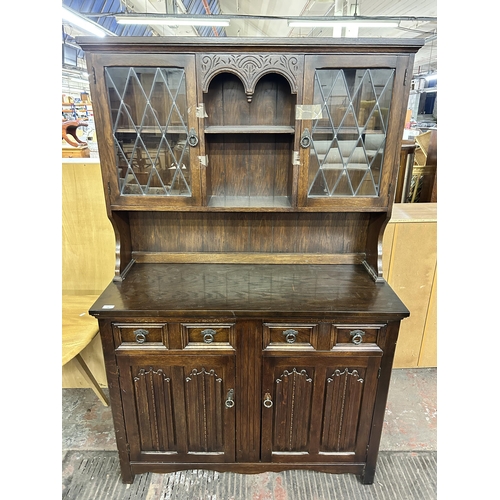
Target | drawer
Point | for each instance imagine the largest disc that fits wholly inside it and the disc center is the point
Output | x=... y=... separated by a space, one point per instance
x=208 y=336
x=356 y=335
x=140 y=335
x=291 y=336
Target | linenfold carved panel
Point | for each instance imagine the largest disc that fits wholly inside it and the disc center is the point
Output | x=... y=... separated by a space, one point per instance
x=292 y=411
x=344 y=390
x=155 y=414
x=204 y=404
x=250 y=68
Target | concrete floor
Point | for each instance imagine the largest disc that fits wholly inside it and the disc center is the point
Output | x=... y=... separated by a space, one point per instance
x=410 y=423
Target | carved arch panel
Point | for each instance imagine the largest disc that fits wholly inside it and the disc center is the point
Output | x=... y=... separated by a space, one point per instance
x=155 y=413
x=341 y=413
x=292 y=414
x=249 y=68
x=204 y=411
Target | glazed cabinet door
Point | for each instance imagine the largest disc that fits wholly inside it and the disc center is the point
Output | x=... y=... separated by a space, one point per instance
x=317 y=409
x=179 y=408
x=146 y=117
x=352 y=124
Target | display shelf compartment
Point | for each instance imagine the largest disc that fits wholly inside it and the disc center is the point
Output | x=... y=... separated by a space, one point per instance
x=250 y=202
x=252 y=170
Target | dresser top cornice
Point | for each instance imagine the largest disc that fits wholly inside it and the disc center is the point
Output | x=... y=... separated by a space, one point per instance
x=315 y=45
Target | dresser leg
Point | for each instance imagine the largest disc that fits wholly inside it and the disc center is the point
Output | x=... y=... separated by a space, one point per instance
x=127 y=476
x=368 y=476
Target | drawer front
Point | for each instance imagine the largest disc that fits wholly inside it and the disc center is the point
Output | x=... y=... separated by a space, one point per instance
x=356 y=336
x=208 y=336
x=140 y=335
x=290 y=336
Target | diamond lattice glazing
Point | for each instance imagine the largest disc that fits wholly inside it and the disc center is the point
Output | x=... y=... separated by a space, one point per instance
x=348 y=136
x=149 y=117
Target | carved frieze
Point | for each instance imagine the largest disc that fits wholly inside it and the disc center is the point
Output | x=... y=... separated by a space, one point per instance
x=250 y=68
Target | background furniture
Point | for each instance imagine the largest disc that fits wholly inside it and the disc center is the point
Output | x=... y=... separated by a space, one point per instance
x=87 y=267
x=422 y=177
x=410 y=267
x=249 y=183
x=78 y=330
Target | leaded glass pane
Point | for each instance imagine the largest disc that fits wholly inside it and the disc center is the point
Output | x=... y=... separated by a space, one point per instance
x=150 y=129
x=348 y=137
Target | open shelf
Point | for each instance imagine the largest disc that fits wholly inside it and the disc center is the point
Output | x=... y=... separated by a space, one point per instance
x=249 y=201
x=249 y=144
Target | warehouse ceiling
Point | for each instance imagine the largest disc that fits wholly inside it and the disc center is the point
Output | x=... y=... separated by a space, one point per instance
x=268 y=18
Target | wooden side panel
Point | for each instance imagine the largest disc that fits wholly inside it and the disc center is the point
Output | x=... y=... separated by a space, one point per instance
x=428 y=351
x=411 y=275
x=387 y=247
x=88 y=239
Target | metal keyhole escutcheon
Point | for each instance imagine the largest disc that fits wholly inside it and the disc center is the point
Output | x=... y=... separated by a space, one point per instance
x=305 y=139
x=192 y=138
x=268 y=402
x=229 y=398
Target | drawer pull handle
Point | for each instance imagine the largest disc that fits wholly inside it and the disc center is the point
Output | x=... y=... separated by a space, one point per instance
x=208 y=335
x=140 y=335
x=268 y=402
x=290 y=335
x=229 y=398
x=357 y=336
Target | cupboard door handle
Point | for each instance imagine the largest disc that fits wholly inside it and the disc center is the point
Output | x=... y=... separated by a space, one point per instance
x=290 y=335
x=305 y=139
x=268 y=402
x=192 y=138
x=208 y=335
x=140 y=335
x=229 y=398
x=357 y=336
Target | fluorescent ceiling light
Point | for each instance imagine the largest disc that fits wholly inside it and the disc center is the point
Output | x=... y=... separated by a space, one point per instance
x=171 y=21
x=85 y=24
x=329 y=24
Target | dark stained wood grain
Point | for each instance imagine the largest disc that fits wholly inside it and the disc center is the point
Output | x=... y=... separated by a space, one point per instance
x=250 y=255
x=245 y=232
x=241 y=289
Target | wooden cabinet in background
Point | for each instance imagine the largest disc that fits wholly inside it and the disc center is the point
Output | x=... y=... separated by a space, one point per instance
x=248 y=327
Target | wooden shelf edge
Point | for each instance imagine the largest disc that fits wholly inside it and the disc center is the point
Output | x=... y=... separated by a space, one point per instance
x=249 y=129
x=245 y=258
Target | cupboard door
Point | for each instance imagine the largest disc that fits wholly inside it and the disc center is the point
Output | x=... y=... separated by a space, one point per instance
x=351 y=129
x=317 y=409
x=150 y=119
x=179 y=408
